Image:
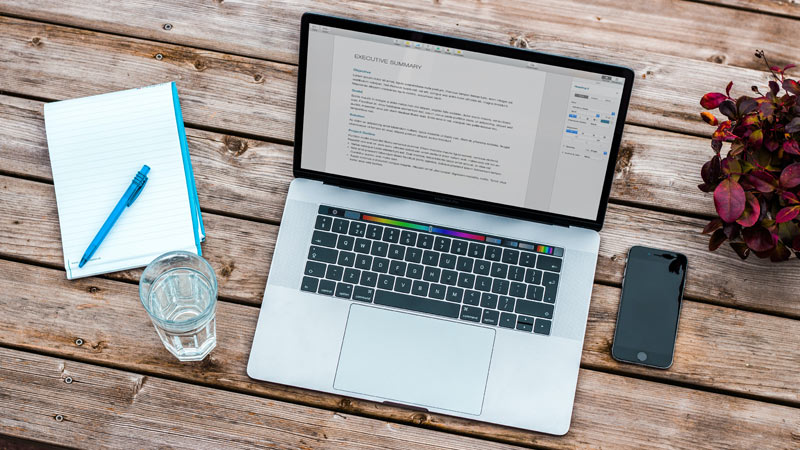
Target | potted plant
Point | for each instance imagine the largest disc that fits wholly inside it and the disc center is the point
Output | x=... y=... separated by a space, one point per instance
x=756 y=184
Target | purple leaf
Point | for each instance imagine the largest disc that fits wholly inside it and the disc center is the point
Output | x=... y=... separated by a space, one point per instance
x=790 y=146
x=728 y=89
x=714 y=225
x=791 y=87
x=741 y=249
x=756 y=138
x=712 y=100
x=752 y=211
x=716 y=240
x=728 y=109
x=787 y=214
x=758 y=238
x=790 y=177
x=762 y=180
x=793 y=126
x=774 y=87
x=729 y=200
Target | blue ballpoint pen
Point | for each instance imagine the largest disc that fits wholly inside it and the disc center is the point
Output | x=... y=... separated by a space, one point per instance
x=127 y=200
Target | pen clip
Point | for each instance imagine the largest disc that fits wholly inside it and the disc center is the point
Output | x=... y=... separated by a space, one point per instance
x=140 y=181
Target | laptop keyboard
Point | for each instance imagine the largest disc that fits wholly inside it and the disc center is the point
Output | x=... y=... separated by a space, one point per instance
x=427 y=269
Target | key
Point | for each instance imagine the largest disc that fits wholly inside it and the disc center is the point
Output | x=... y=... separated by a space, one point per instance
x=362 y=245
x=537 y=309
x=309 y=284
x=323 y=223
x=323 y=254
x=533 y=276
x=505 y=303
x=447 y=261
x=374 y=232
x=344 y=290
x=380 y=265
x=483 y=283
x=315 y=269
x=489 y=300
x=334 y=273
x=391 y=234
x=524 y=323
x=425 y=241
x=517 y=289
x=397 y=268
x=535 y=292
x=430 y=258
x=490 y=317
x=459 y=247
x=527 y=259
x=550 y=294
x=441 y=244
x=500 y=286
x=466 y=280
x=339 y=226
x=476 y=250
x=345 y=242
x=379 y=248
x=369 y=278
x=437 y=291
x=326 y=287
x=420 y=288
x=363 y=262
x=482 y=267
x=323 y=238
x=363 y=294
x=357 y=229
x=419 y=304
x=413 y=254
x=414 y=271
x=449 y=277
x=470 y=313
x=454 y=294
x=346 y=259
x=396 y=251
x=472 y=297
x=403 y=285
x=542 y=326
x=499 y=270
x=550 y=281
x=516 y=273
x=464 y=264
x=431 y=274
x=548 y=263
x=385 y=282
x=510 y=256
x=494 y=253
x=408 y=238
x=507 y=320
x=351 y=275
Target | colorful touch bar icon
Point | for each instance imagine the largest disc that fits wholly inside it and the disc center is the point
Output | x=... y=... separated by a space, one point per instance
x=460 y=234
x=397 y=223
x=544 y=249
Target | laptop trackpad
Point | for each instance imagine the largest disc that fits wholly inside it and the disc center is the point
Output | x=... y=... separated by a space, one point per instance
x=412 y=359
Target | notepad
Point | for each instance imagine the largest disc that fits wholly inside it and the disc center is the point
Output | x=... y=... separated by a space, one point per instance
x=97 y=145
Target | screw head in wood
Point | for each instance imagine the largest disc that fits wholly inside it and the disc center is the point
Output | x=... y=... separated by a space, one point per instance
x=59 y=418
x=79 y=342
x=167 y=26
x=68 y=380
x=159 y=56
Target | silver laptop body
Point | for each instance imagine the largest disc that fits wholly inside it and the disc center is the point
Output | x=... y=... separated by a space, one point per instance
x=443 y=349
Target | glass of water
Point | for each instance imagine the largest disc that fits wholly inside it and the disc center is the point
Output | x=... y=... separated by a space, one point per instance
x=179 y=293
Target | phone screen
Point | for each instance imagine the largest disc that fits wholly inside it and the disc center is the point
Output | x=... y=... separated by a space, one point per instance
x=647 y=322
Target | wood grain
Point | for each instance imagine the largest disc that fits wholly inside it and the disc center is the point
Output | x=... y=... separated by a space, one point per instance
x=254 y=97
x=102 y=408
x=270 y=29
x=115 y=331
x=787 y=8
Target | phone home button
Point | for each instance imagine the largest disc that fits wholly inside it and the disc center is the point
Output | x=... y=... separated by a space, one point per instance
x=641 y=356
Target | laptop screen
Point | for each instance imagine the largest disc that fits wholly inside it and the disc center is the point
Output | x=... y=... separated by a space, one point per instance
x=458 y=122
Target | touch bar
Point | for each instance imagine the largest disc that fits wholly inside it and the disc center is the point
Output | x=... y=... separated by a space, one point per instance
x=397 y=223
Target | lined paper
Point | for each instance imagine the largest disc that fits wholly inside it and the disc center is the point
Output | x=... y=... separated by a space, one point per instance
x=97 y=145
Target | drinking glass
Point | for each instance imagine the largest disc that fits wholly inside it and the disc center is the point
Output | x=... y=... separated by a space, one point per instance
x=179 y=292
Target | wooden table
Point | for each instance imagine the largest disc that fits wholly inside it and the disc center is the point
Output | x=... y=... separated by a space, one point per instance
x=81 y=366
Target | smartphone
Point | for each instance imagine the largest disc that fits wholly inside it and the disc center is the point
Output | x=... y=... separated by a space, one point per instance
x=649 y=307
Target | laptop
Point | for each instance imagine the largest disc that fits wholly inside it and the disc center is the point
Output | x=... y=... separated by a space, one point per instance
x=439 y=241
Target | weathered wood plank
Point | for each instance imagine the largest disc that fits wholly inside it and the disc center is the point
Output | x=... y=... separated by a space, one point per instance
x=100 y=407
x=655 y=168
x=269 y=29
x=254 y=97
x=787 y=8
x=29 y=230
x=716 y=347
